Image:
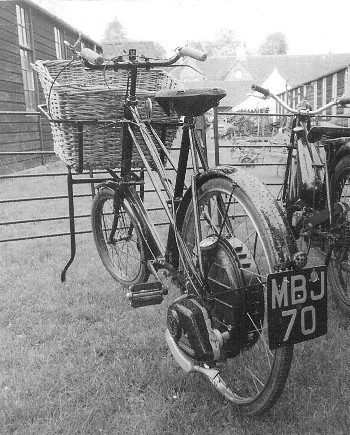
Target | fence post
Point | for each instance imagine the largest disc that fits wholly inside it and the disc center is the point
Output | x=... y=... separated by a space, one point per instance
x=216 y=136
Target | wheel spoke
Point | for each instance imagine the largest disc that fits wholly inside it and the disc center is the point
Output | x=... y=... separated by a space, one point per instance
x=124 y=257
x=238 y=265
x=339 y=271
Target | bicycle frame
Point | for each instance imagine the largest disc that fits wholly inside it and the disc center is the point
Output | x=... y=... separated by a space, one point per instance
x=164 y=256
x=312 y=185
x=313 y=170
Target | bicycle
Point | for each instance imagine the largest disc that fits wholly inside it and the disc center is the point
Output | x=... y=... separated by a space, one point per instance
x=229 y=251
x=315 y=190
x=247 y=156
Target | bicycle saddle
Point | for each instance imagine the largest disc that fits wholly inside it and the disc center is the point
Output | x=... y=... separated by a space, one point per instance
x=327 y=131
x=189 y=102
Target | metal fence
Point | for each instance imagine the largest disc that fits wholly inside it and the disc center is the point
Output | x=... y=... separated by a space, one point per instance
x=37 y=203
x=34 y=203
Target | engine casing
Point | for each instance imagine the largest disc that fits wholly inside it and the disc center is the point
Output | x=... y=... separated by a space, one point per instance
x=190 y=326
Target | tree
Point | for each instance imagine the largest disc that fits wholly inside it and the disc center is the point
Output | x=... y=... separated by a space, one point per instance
x=159 y=51
x=275 y=43
x=114 y=32
x=224 y=44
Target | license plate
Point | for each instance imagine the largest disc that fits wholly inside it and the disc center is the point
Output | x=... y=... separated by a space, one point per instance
x=296 y=306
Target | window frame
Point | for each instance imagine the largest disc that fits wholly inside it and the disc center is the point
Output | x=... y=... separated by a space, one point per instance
x=26 y=56
x=59 y=44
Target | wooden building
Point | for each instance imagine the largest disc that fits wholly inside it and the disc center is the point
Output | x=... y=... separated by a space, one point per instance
x=321 y=90
x=27 y=32
x=236 y=75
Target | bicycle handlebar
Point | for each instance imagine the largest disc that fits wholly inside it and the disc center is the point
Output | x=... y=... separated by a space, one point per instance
x=91 y=56
x=96 y=61
x=261 y=90
x=340 y=101
x=193 y=52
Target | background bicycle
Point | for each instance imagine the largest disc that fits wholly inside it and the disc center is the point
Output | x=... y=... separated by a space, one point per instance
x=315 y=190
x=248 y=156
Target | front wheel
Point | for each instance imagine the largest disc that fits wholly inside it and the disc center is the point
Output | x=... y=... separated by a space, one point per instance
x=125 y=255
x=339 y=265
x=253 y=376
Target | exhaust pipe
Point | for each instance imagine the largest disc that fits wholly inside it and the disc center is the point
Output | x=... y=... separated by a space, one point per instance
x=186 y=363
x=190 y=366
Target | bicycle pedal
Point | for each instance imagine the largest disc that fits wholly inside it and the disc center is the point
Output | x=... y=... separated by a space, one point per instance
x=144 y=294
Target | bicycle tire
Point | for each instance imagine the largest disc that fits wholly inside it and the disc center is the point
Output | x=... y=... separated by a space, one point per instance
x=257 y=362
x=247 y=161
x=126 y=258
x=339 y=265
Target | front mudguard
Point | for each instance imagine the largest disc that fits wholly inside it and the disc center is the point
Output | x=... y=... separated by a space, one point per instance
x=137 y=209
x=272 y=217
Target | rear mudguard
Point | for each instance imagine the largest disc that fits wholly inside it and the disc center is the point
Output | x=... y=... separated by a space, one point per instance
x=281 y=237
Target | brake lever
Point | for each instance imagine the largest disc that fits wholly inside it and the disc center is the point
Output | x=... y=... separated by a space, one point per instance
x=73 y=47
x=189 y=66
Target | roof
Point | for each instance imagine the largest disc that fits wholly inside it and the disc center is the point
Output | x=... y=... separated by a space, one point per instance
x=236 y=91
x=53 y=17
x=216 y=68
x=294 y=69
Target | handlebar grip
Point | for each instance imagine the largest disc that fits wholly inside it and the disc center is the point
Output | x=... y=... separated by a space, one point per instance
x=193 y=52
x=343 y=101
x=91 y=56
x=261 y=90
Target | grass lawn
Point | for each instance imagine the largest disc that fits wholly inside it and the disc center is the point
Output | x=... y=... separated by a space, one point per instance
x=76 y=359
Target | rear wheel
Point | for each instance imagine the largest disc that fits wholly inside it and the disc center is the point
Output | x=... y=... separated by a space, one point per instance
x=125 y=256
x=246 y=160
x=339 y=266
x=252 y=376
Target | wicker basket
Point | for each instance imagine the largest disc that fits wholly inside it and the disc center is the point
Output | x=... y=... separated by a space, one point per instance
x=74 y=93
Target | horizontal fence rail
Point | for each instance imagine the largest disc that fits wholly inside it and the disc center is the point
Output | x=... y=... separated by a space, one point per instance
x=255 y=141
x=29 y=204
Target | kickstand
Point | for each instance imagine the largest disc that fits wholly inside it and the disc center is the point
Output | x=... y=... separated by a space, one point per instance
x=71 y=224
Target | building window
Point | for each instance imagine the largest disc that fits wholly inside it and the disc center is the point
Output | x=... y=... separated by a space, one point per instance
x=59 y=44
x=324 y=91
x=315 y=95
x=26 y=53
x=334 y=91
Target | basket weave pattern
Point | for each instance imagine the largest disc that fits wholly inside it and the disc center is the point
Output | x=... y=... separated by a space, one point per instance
x=74 y=93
